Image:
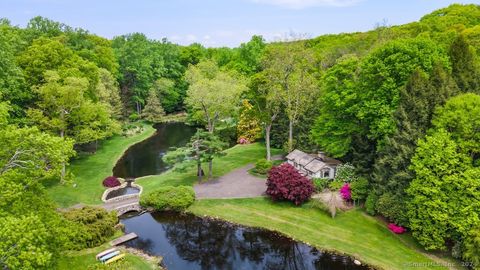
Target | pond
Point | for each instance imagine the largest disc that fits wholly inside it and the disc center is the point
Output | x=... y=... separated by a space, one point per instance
x=189 y=242
x=122 y=191
x=145 y=158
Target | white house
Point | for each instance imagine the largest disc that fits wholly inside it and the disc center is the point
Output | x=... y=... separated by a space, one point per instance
x=313 y=166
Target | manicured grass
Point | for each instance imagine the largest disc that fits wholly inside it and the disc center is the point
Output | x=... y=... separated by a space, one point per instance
x=237 y=157
x=83 y=259
x=90 y=170
x=352 y=232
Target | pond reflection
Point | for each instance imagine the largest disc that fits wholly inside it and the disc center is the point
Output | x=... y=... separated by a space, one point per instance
x=145 y=158
x=190 y=242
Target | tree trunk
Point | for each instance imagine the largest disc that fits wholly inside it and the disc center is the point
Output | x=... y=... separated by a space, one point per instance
x=209 y=127
x=64 y=169
x=139 y=108
x=210 y=165
x=199 y=171
x=290 y=136
x=267 y=140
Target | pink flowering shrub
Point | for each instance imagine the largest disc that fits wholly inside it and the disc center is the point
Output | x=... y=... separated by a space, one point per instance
x=243 y=140
x=346 y=192
x=111 y=181
x=396 y=229
x=284 y=182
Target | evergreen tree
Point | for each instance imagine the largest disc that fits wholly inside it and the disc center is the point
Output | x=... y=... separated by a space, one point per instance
x=204 y=146
x=465 y=68
x=153 y=111
x=413 y=116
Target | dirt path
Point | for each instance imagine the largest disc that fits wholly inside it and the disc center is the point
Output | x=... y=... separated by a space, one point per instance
x=236 y=184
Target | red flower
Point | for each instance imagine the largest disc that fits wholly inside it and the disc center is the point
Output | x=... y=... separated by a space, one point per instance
x=346 y=192
x=396 y=229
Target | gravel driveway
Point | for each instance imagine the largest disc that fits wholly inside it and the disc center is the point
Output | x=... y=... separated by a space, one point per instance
x=236 y=184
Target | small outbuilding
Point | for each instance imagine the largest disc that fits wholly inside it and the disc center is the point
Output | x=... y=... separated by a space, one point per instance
x=313 y=165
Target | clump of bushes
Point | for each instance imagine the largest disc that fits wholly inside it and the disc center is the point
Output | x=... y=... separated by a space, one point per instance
x=169 y=198
x=393 y=208
x=359 y=189
x=93 y=225
x=284 y=182
x=262 y=166
x=346 y=173
x=111 y=181
x=320 y=184
x=335 y=185
x=370 y=204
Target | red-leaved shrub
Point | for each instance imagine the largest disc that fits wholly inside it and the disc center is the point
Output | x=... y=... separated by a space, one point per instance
x=111 y=181
x=346 y=192
x=284 y=182
x=396 y=229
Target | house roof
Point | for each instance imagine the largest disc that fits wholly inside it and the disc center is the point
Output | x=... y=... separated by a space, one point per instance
x=295 y=155
x=315 y=166
x=332 y=162
x=312 y=162
x=306 y=159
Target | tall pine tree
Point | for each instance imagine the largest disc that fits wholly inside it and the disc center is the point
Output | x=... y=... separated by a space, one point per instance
x=153 y=111
x=465 y=67
x=417 y=103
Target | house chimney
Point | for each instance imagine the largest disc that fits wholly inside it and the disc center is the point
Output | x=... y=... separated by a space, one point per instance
x=321 y=156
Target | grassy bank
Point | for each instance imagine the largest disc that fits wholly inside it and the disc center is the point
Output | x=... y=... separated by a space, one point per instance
x=352 y=232
x=90 y=170
x=237 y=157
x=85 y=259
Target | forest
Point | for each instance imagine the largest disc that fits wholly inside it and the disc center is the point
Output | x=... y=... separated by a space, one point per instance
x=401 y=104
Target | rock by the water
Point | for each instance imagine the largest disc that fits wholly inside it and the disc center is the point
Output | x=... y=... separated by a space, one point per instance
x=357 y=262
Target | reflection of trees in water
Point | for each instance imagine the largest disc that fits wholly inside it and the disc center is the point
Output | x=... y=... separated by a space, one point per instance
x=142 y=244
x=218 y=245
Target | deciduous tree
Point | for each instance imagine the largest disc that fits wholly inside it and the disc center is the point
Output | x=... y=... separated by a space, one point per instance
x=289 y=68
x=213 y=94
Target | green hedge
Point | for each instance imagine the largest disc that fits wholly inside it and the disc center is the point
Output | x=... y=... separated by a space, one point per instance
x=169 y=198
x=262 y=166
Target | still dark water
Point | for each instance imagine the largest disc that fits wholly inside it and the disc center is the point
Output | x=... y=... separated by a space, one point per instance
x=189 y=242
x=122 y=191
x=145 y=158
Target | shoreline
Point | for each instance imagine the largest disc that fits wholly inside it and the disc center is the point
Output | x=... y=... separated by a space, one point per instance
x=353 y=258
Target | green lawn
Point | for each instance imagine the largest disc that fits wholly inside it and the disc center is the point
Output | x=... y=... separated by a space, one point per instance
x=83 y=259
x=90 y=170
x=352 y=232
x=237 y=156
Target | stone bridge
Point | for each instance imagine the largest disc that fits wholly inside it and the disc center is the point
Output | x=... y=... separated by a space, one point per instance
x=124 y=204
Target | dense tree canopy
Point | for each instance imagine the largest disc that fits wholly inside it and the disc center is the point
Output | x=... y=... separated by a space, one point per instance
x=400 y=103
x=206 y=81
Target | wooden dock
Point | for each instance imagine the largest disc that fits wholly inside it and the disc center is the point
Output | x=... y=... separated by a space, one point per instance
x=123 y=239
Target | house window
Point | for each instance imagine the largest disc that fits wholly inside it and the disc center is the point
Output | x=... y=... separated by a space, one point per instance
x=326 y=174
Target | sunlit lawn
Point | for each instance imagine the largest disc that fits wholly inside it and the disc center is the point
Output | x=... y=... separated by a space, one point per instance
x=83 y=259
x=90 y=170
x=352 y=232
x=237 y=157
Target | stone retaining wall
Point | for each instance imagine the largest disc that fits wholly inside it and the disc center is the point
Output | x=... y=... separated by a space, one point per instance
x=123 y=197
